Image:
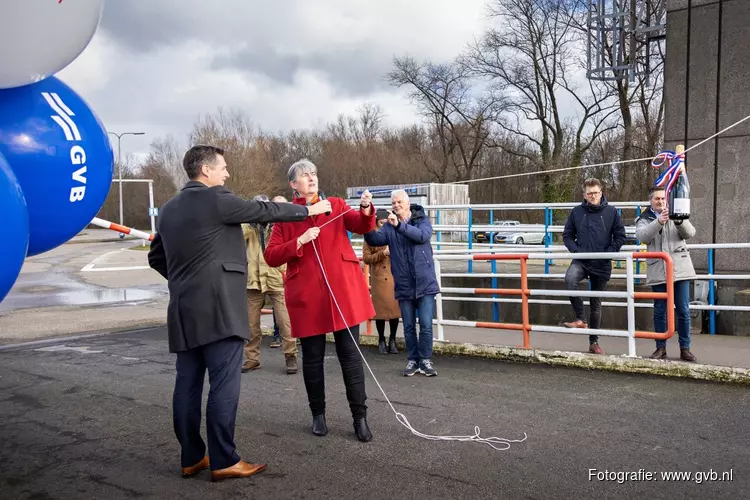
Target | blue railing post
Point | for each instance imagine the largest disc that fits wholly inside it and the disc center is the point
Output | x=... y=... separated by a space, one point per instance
x=471 y=267
x=637 y=242
x=711 y=296
x=493 y=270
x=440 y=233
x=618 y=265
x=547 y=235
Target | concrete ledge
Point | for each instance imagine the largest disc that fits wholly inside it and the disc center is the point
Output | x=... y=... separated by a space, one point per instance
x=582 y=360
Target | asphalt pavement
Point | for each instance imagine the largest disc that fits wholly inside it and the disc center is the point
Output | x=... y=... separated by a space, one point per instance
x=91 y=418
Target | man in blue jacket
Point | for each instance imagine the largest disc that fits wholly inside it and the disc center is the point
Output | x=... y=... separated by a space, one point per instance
x=408 y=235
x=593 y=226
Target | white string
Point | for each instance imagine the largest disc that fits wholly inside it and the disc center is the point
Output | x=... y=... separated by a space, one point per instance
x=500 y=444
x=605 y=164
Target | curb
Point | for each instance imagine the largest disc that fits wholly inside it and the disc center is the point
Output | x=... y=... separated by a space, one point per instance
x=622 y=364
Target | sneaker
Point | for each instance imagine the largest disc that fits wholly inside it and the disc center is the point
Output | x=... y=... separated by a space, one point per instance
x=426 y=369
x=275 y=342
x=411 y=368
x=291 y=364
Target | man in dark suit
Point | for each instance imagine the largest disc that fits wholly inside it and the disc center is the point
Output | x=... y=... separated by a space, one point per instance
x=200 y=250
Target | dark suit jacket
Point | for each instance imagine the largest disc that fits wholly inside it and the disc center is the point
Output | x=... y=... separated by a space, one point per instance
x=200 y=250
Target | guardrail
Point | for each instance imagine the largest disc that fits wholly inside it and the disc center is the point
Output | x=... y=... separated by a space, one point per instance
x=711 y=276
x=526 y=327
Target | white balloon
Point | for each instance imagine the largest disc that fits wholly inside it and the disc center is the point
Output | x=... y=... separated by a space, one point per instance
x=38 y=38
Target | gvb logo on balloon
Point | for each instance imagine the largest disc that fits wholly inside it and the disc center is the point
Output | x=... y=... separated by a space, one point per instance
x=63 y=117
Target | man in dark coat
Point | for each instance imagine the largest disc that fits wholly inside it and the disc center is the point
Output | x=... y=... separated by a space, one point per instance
x=408 y=235
x=200 y=250
x=593 y=226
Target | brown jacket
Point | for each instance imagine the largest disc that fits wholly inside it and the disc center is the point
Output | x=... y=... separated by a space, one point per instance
x=381 y=279
x=260 y=276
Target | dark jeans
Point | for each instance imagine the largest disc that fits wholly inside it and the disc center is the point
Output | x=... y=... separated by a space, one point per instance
x=275 y=327
x=682 y=306
x=223 y=360
x=380 y=325
x=313 y=352
x=573 y=276
x=418 y=349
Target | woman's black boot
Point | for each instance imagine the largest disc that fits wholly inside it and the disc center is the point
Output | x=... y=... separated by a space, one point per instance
x=319 y=427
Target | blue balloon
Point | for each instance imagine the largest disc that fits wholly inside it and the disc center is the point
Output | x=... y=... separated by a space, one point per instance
x=61 y=156
x=15 y=224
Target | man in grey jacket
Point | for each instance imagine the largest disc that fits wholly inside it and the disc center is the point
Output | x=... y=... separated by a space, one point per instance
x=660 y=234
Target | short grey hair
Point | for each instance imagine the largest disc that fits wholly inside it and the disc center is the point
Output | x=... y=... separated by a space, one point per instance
x=399 y=192
x=301 y=167
x=261 y=197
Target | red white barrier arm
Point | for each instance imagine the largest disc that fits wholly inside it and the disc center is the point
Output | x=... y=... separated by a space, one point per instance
x=121 y=229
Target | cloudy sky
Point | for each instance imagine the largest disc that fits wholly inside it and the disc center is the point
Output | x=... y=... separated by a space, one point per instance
x=155 y=66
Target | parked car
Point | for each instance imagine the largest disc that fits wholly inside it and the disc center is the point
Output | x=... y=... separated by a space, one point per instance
x=503 y=225
x=515 y=237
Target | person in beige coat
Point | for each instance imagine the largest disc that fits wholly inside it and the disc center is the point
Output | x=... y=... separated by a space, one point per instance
x=265 y=281
x=382 y=290
x=660 y=234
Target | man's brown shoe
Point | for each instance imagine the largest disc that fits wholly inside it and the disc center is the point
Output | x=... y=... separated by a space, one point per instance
x=576 y=324
x=595 y=349
x=240 y=469
x=659 y=353
x=688 y=356
x=291 y=364
x=195 y=469
x=250 y=365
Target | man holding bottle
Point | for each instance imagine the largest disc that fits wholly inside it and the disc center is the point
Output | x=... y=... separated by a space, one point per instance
x=660 y=234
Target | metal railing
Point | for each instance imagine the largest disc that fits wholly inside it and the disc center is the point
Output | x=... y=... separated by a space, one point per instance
x=525 y=292
x=549 y=229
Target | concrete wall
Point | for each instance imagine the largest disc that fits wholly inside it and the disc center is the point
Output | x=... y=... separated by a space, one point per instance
x=707 y=88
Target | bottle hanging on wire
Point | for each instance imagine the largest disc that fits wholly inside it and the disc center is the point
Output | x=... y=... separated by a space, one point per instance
x=679 y=198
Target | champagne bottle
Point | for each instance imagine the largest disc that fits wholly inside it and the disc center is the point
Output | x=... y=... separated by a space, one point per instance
x=679 y=195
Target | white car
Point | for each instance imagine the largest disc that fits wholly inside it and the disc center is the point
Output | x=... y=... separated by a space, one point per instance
x=507 y=234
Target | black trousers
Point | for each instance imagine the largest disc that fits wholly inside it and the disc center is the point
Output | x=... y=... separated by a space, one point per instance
x=313 y=352
x=380 y=325
x=223 y=360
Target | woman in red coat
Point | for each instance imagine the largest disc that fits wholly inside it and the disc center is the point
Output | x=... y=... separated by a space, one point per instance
x=312 y=310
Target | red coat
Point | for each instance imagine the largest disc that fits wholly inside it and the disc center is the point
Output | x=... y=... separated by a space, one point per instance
x=308 y=300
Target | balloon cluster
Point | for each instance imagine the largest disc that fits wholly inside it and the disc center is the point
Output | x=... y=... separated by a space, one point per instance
x=56 y=160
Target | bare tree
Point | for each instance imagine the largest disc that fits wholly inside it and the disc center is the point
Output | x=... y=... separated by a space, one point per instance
x=531 y=59
x=459 y=116
x=167 y=153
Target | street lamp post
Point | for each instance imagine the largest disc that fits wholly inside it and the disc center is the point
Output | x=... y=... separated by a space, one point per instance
x=119 y=162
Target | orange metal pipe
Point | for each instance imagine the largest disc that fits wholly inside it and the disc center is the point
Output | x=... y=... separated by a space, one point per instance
x=498 y=291
x=651 y=295
x=503 y=326
x=525 y=303
x=669 y=268
x=502 y=256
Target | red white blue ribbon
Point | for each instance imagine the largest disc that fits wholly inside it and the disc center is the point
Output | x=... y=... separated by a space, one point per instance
x=675 y=164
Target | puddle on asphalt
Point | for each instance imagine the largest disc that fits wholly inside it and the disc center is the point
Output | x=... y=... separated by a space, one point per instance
x=76 y=298
x=104 y=296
